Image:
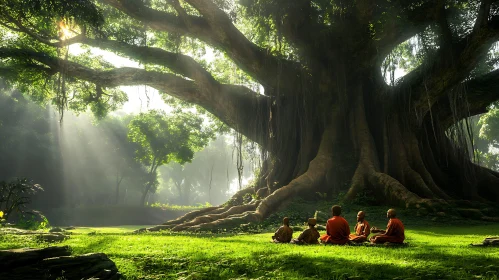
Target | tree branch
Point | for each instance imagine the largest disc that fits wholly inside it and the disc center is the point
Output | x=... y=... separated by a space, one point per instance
x=310 y=37
x=468 y=99
x=237 y=106
x=415 y=21
x=445 y=31
x=216 y=29
x=178 y=63
x=450 y=65
x=181 y=64
x=483 y=15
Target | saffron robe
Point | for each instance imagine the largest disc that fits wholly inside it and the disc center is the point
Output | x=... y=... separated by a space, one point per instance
x=362 y=231
x=337 y=231
x=283 y=234
x=394 y=233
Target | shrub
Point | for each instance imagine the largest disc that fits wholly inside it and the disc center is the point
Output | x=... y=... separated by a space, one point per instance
x=2 y=220
x=33 y=221
x=16 y=195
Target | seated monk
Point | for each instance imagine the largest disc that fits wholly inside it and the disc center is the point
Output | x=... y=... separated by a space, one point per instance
x=362 y=229
x=284 y=233
x=337 y=229
x=308 y=236
x=394 y=232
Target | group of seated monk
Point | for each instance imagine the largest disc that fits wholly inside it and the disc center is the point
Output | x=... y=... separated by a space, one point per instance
x=338 y=231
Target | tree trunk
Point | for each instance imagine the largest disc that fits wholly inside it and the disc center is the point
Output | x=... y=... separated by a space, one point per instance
x=117 y=194
x=144 y=194
x=152 y=173
x=367 y=146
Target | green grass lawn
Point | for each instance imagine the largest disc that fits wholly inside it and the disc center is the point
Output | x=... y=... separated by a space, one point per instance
x=434 y=253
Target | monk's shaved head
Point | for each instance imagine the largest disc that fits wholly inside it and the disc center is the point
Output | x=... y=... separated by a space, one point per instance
x=360 y=216
x=285 y=221
x=391 y=213
x=336 y=209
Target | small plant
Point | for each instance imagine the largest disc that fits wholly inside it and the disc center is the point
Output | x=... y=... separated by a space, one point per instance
x=33 y=221
x=365 y=197
x=205 y=205
x=2 y=220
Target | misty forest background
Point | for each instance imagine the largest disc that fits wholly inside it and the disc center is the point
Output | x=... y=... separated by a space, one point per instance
x=86 y=162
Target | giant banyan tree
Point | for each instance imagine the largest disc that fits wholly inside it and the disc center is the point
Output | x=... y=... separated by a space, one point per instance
x=326 y=120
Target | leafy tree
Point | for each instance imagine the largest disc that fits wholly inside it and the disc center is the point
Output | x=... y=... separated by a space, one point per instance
x=16 y=195
x=489 y=129
x=486 y=130
x=162 y=139
x=303 y=79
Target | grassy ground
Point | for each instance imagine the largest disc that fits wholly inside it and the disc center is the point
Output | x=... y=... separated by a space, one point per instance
x=441 y=252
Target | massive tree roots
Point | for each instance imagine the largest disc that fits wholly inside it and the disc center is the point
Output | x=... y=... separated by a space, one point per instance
x=401 y=179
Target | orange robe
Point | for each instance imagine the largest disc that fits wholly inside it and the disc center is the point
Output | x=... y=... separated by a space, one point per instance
x=362 y=231
x=337 y=231
x=394 y=233
x=283 y=234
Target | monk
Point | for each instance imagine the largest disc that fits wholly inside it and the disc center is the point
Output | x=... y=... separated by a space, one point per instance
x=362 y=229
x=337 y=229
x=394 y=232
x=284 y=233
x=308 y=236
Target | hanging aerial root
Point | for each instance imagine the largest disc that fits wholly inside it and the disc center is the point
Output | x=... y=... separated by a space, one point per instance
x=419 y=166
x=267 y=206
x=256 y=212
x=416 y=184
x=394 y=192
x=489 y=184
x=307 y=182
x=368 y=161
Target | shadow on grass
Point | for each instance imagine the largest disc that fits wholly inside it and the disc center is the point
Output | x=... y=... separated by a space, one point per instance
x=487 y=230
x=97 y=244
x=444 y=267
x=295 y=265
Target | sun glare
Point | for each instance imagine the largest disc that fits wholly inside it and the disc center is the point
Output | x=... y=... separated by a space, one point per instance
x=64 y=31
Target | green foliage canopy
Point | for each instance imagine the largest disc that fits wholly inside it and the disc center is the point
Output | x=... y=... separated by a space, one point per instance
x=164 y=138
